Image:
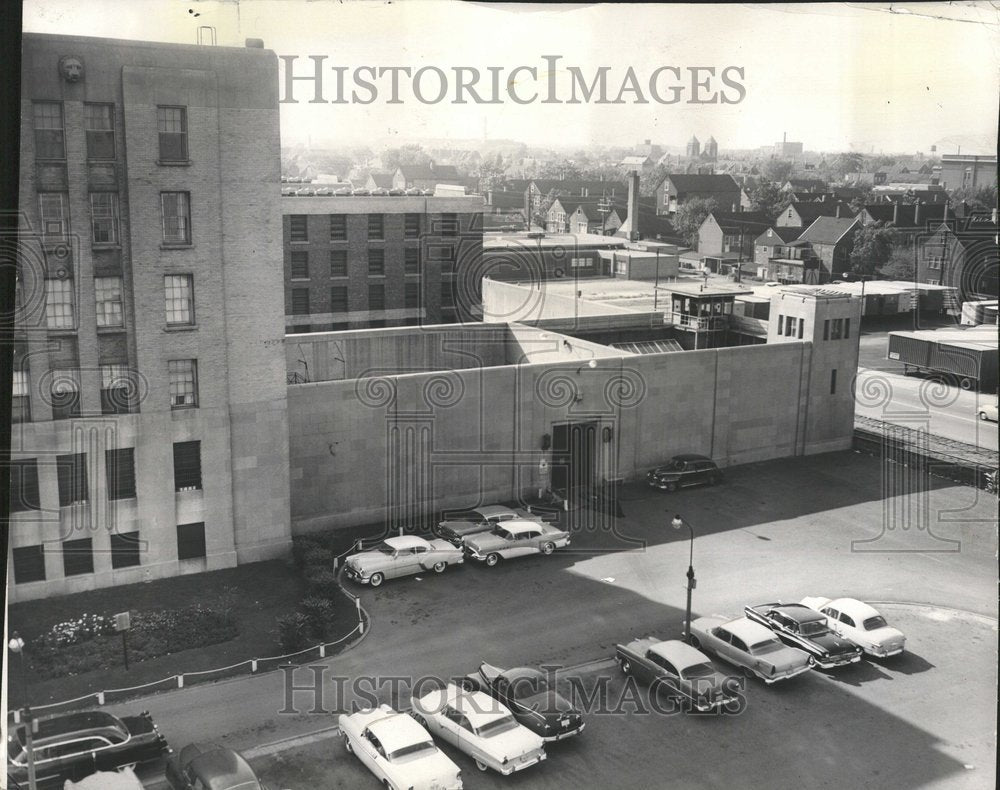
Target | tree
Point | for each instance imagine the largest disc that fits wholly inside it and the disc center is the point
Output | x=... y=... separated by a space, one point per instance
x=850 y=162
x=649 y=184
x=407 y=155
x=766 y=196
x=902 y=264
x=872 y=246
x=689 y=217
x=778 y=170
x=978 y=198
x=864 y=199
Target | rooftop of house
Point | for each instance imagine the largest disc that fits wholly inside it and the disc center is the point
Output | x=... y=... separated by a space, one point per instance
x=702 y=182
x=904 y=215
x=828 y=230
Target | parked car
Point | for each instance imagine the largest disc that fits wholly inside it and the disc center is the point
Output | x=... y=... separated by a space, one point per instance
x=75 y=745
x=380 y=191
x=988 y=411
x=305 y=192
x=514 y=538
x=343 y=192
x=482 y=727
x=679 y=668
x=804 y=628
x=531 y=698
x=211 y=767
x=324 y=191
x=684 y=470
x=861 y=624
x=471 y=522
x=414 y=191
x=402 y=556
x=288 y=191
x=750 y=646
x=361 y=191
x=124 y=779
x=397 y=750
x=395 y=191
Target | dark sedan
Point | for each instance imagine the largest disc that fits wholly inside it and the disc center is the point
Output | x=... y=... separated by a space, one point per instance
x=799 y=626
x=75 y=745
x=684 y=470
x=531 y=697
x=212 y=768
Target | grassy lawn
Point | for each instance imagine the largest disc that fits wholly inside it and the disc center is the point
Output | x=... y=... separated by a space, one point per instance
x=258 y=593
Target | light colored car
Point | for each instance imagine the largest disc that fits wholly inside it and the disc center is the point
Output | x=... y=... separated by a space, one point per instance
x=482 y=519
x=988 y=411
x=397 y=750
x=514 y=538
x=402 y=556
x=750 y=646
x=679 y=668
x=861 y=624
x=480 y=726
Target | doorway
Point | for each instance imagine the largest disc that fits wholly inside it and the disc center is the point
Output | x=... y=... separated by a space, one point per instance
x=574 y=450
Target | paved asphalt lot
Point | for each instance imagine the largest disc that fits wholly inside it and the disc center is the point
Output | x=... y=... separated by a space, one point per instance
x=776 y=530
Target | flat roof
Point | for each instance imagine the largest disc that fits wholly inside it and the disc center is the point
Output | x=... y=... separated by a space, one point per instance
x=976 y=338
x=503 y=241
x=700 y=288
x=380 y=204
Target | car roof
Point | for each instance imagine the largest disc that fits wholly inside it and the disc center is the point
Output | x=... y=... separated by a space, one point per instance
x=854 y=607
x=405 y=542
x=747 y=630
x=493 y=510
x=222 y=769
x=517 y=673
x=397 y=730
x=71 y=723
x=678 y=653
x=798 y=612
x=517 y=526
x=478 y=707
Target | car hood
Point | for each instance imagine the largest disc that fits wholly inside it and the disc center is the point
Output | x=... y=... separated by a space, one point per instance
x=833 y=644
x=487 y=541
x=662 y=471
x=367 y=560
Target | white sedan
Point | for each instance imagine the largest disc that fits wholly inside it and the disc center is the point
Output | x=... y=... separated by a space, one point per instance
x=397 y=750
x=861 y=624
x=480 y=726
x=988 y=411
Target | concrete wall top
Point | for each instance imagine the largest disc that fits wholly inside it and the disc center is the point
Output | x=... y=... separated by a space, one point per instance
x=382 y=204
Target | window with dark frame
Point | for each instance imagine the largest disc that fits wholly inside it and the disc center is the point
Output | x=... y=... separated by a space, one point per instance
x=52 y=207
x=338 y=263
x=411 y=226
x=120 y=468
x=103 y=218
x=338 y=227
x=187 y=466
x=50 y=137
x=176 y=217
x=411 y=295
x=108 y=301
x=191 y=541
x=78 y=556
x=60 y=306
x=182 y=375
x=24 y=494
x=21 y=400
x=171 y=124
x=376 y=226
x=376 y=263
x=338 y=300
x=125 y=550
x=299 y=264
x=99 y=123
x=71 y=473
x=300 y=301
x=826 y=329
x=64 y=394
x=376 y=297
x=833 y=381
x=29 y=564
x=178 y=296
x=802 y=327
x=117 y=389
x=298 y=227
x=411 y=260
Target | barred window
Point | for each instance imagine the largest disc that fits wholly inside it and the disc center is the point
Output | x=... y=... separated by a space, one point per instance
x=338 y=263
x=447 y=295
x=176 y=211
x=411 y=226
x=183 y=377
x=104 y=217
x=449 y=224
x=21 y=402
x=298 y=225
x=376 y=226
x=411 y=260
x=120 y=467
x=190 y=541
x=171 y=123
x=338 y=227
x=411 y=294
x=300 y=301
x=65 y=394
x=338 y=300
x=49 y=134
x=24 y=493
x=187 y=466
x=29 y=564
x=300 y=264
x=125 y=550
x=117 y=390
x=376 y=263
x=99 y=122
x=71 y=471
x=178 y=292
x=376 y=297
x=108 y=301
x=78 y=557
x=55 y=218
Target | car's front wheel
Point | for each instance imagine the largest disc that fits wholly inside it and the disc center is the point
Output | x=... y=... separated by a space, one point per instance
x=376 y=579
x=670 y=486
x=481 y=765
x=982 y=415
x=492 y=559
x=347 y=745
x=626 y=665
x=440 y=566
x=695 y=642
x=548 y=548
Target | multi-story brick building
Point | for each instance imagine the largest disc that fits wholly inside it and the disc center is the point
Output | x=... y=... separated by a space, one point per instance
x=354 y=262
x=151 y=432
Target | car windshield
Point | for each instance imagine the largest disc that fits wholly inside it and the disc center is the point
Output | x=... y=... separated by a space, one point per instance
x=412 y=752
x=698 y=671
x=495 y=727
x=767 y=646
x=813 y=628
x=385 y=548
x=875 y=622
x=501 y=532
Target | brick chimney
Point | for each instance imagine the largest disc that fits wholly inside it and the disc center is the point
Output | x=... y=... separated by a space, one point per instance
x=944 y=217
x=838 y=211
x=916 y=214
x=895 y=213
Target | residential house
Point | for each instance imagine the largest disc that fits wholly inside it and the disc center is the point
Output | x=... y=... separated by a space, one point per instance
x=730 y=235
x=379 y=181
x=677 y=188
x=636 y=164
x=910 y=220
x=832 y=239
x=962 y=253
x=805 y=185
x=426 y=176
x=794 y=262
x=764 y=245
x=866 y=179
x=802 y=215
x=542 y=191
x=962 y=171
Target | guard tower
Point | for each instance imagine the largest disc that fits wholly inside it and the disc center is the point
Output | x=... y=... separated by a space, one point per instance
x=700 y=312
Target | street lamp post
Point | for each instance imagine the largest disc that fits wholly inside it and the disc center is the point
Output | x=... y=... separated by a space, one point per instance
x=677 y=522
x=16 y=645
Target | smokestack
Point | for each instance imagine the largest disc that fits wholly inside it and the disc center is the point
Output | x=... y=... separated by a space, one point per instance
x=784 y=137
x=838 y=211
x=944 y=218
x=895 y=213
x=916 y=214
x=633 y=205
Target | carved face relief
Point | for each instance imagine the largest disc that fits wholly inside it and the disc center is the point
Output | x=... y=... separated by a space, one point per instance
x=71 y=68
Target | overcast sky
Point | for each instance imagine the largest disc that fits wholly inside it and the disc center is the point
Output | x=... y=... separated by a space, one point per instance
x=834 y=76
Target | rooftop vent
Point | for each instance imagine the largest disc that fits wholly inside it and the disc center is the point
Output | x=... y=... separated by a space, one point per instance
x=255 y=43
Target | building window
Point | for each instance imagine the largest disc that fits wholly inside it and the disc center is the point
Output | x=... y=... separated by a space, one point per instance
x=338 y=300
x=411 y=226
x=190 y=541
x=802 y=327
x=836 y=329
x=108 y=301
x=376 y=226
x=933 y=281
x=338 y=227
x=71 y=471
x=29 y=564
x=338 y=263
x=24 y=485
x=781 y=324
x=449 y=224
x=790 y=326
x=411 y=294
x=300 y=264
x=117 y=389
x=125 y=550
x=21 y=401
x=78 y=557
x=59 y=300
x=298 y=226
x=826 y=329
x=411 y=260
x=120 y=467
x=579 y=263
x=178 y=294
x=104 y=217
x=55 y=218
x=176 y=208
x=183 y=375
x=447 y=295
x=833 y=382
x=376 y=263
x=300 y=301
x=50 y=140
x=847 y=328
x=65 y=394
x=99 y=122
x=376 y=297
x=187 y=466
x=171 y=123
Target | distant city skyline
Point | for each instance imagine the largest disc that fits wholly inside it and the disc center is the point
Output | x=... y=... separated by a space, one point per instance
x=834 y=77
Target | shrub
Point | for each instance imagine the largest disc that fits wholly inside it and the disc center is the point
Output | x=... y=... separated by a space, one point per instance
x=293 y=632
x=321 y=583
x=320 y=612
x=317 y=557
x=302 y=545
